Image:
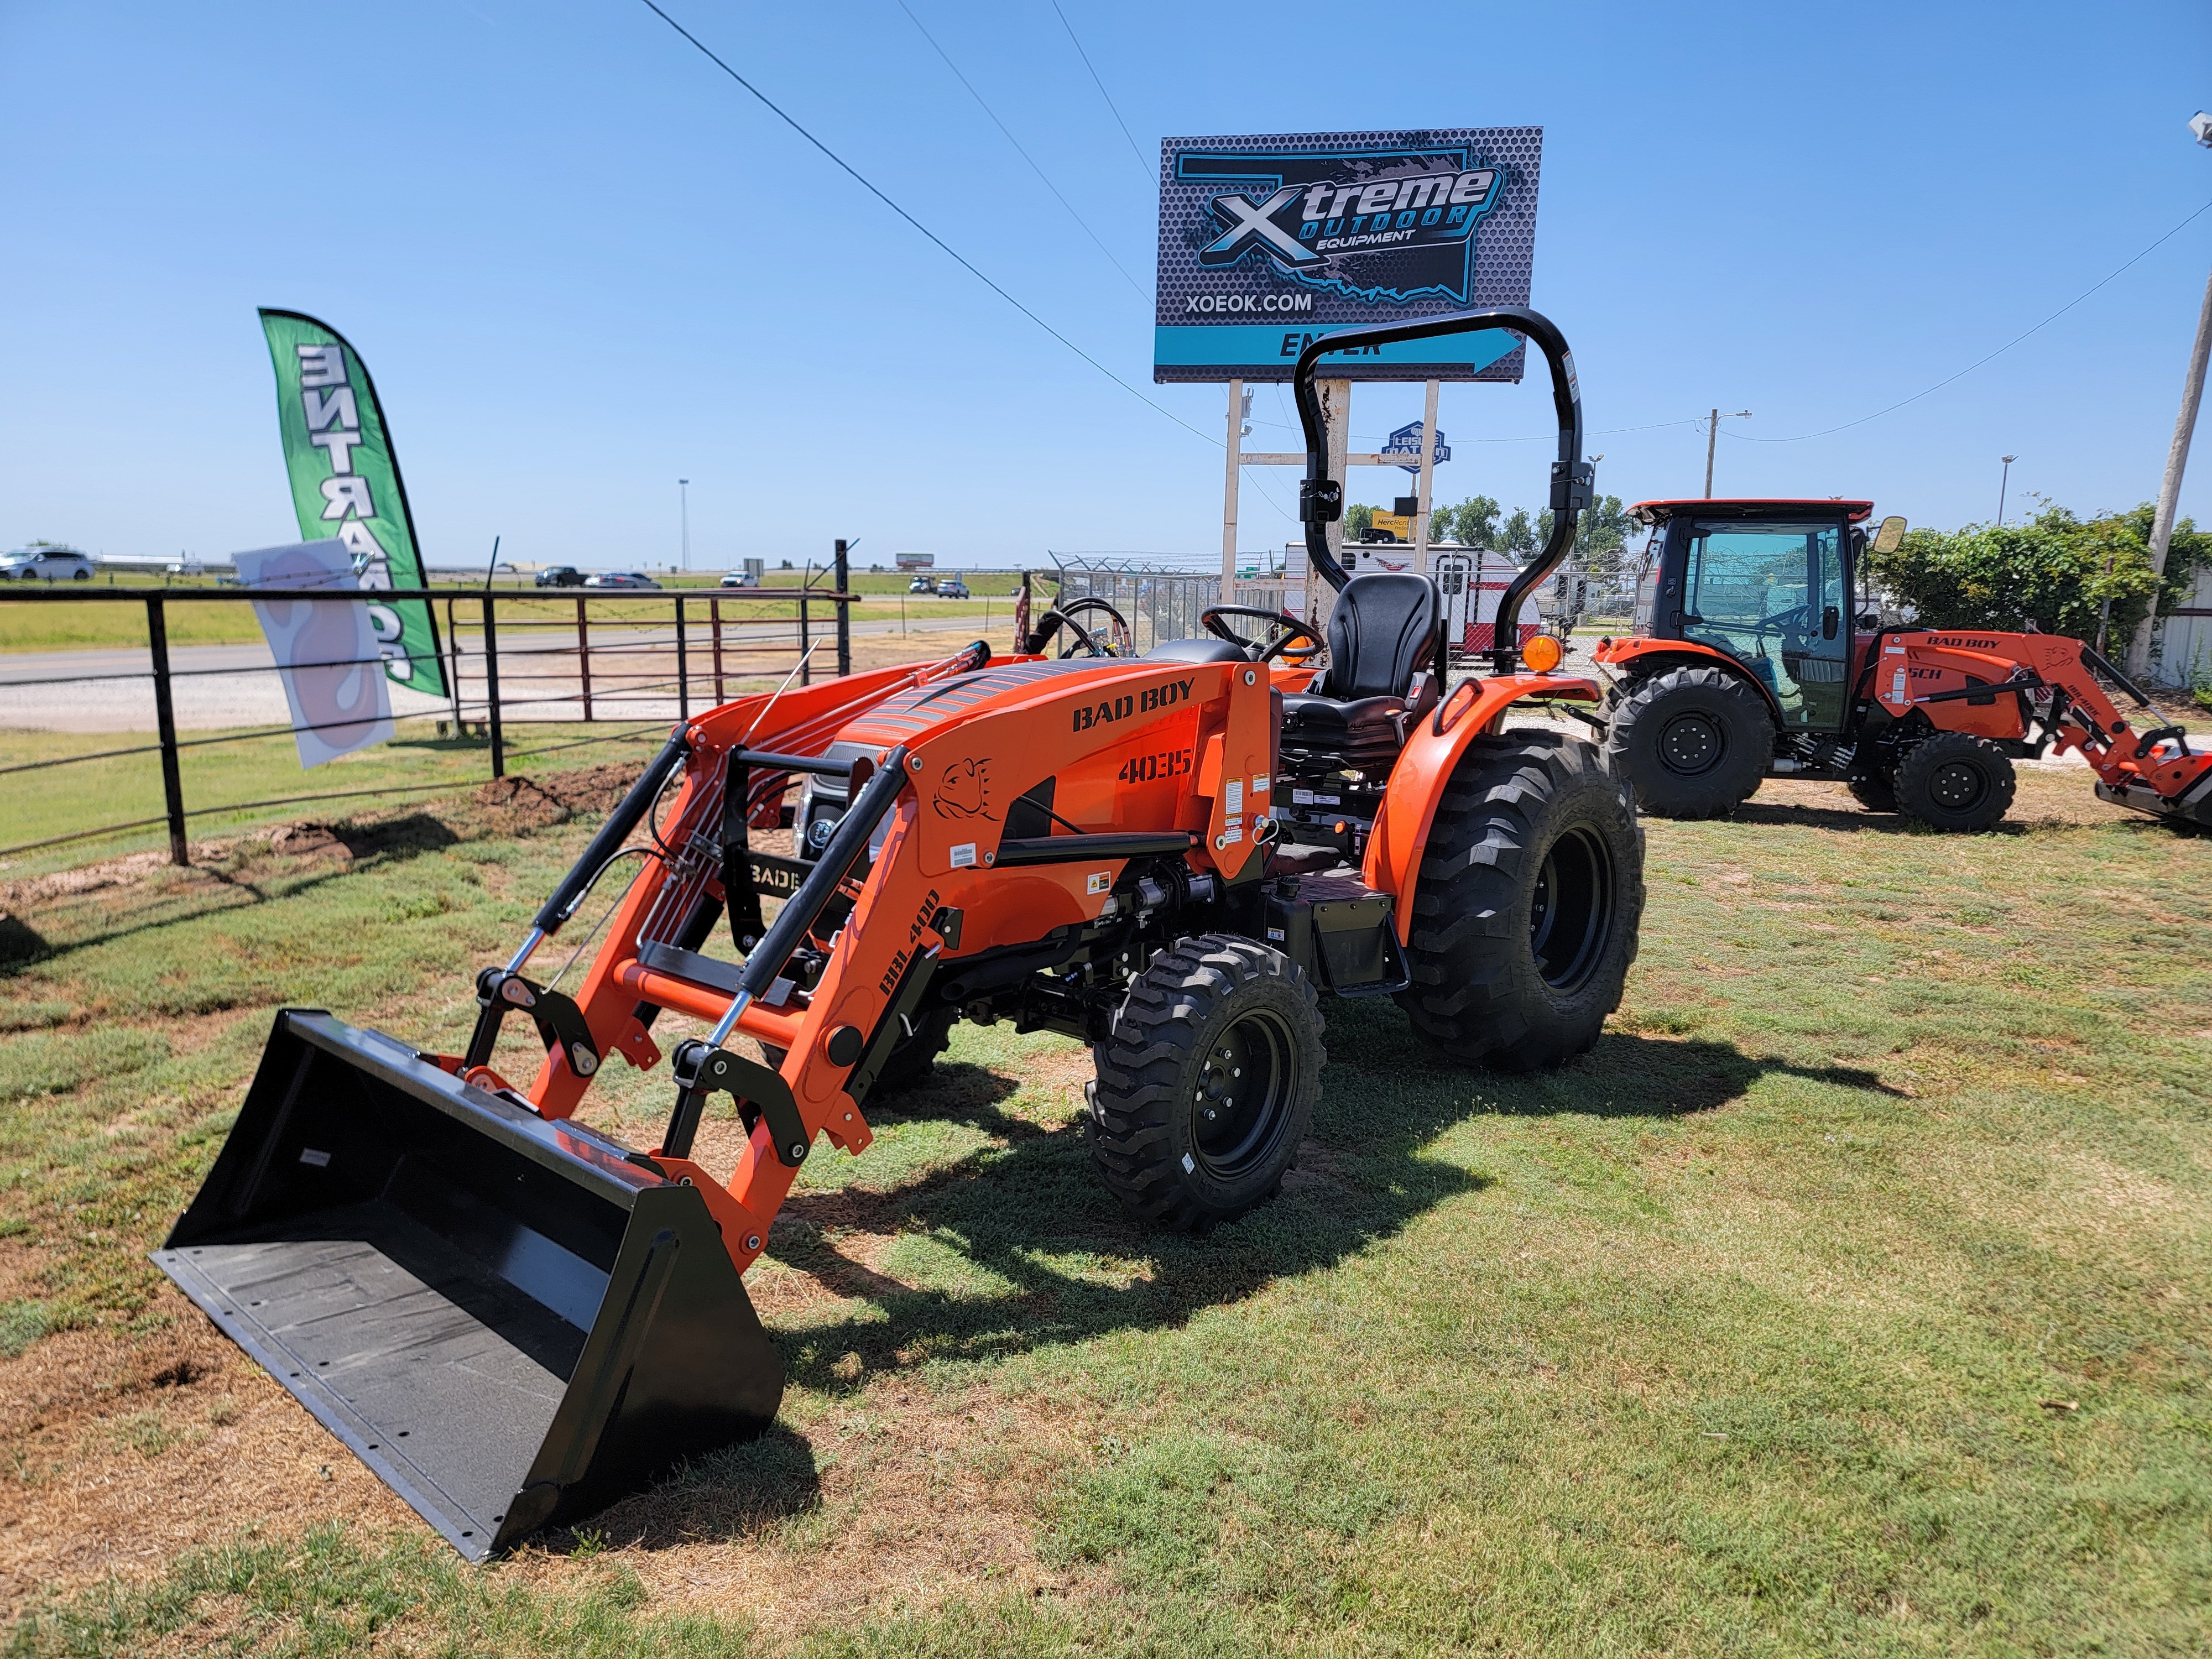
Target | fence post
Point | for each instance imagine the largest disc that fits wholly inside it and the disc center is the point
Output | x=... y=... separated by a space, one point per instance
x=491 y=686
x=805 y=668
x=584 y=656
x=683 y=678
x=844 y=613
x=453 y=666
x=165 y=718
x=714 y=619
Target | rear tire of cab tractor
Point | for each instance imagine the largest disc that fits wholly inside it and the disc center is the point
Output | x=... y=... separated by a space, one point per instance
x=1693 y=742
x=1525 y=912
x=1206 y=1082
x=1956 y=781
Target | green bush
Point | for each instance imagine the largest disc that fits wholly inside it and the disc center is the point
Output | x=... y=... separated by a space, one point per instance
x=2056 y=571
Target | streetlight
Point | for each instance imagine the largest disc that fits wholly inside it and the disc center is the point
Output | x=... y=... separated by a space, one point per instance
x=2177 y=454
x=1712 y=431
x=683 y=499
x=2003 y=478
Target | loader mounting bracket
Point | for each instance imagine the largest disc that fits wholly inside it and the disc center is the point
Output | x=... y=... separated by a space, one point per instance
x=560 y=1023
x=701 y=1070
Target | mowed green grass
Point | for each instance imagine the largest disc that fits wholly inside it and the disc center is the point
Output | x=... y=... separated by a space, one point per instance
x=1852 y=1297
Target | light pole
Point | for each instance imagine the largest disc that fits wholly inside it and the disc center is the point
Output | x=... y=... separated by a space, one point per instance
x=2003 y=478
x=684 y=501
x=1712 y=432
x=2177 y=453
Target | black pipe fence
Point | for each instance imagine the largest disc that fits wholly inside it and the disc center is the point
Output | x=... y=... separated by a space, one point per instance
x=562 y=673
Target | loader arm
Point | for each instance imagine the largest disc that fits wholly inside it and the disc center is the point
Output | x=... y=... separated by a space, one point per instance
x=2047 y=687
x=944 y=885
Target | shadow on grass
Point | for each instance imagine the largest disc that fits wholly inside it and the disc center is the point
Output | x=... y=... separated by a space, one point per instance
x=738 y=1492
x=1019 y=1247
x=209 y=890
x=1029 y=1250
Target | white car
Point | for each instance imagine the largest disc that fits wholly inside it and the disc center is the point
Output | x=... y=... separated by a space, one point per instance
x=629 y=579
x=740 y=578
x=47 y=564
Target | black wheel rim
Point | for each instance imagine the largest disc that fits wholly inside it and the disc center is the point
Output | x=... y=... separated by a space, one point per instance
x=1571 y=916
x=1241 y=1099
x=1692 y=744
x=1958 y=786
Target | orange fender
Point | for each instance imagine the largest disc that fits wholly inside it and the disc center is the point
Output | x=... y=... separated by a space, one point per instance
x=1431 y=755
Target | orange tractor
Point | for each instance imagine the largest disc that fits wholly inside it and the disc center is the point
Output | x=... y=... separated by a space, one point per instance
x=1750 y=660
x=513 y=1318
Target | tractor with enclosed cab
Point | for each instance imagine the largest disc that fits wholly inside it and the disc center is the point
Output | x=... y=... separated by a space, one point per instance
x=1756 y=651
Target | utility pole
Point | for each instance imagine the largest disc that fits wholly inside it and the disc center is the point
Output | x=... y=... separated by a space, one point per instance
x=1712 y=433
x=2004 y=478
x=684 y=497
x=2177 y=454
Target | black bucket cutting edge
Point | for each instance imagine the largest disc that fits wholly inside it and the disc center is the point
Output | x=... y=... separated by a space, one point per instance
x=507 y=1320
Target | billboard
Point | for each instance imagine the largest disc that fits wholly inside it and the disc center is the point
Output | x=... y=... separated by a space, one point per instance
x=1268 y=240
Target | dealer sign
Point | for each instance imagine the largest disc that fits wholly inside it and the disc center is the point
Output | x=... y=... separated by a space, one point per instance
x=1267 y=241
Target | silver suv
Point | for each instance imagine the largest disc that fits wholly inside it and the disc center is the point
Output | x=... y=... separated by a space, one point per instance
x=49 y=564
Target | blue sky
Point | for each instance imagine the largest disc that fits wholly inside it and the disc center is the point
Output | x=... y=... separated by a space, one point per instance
x=581 y=262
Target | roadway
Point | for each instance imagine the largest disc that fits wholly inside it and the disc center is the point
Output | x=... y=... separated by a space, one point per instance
x=219 y=686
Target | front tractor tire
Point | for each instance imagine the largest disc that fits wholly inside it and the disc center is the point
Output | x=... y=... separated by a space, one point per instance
x=1956 y=781
x=1206 y=1082
x=1525 y=912
x=1693 y=743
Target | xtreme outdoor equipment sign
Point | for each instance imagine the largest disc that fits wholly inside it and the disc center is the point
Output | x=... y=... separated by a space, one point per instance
x=346 y=485
x=1266 y=241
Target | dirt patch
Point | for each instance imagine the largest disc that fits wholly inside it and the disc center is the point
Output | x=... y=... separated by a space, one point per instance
x=512 y=803
x=900 y=1498
x=118 y=1451
x=502 y=807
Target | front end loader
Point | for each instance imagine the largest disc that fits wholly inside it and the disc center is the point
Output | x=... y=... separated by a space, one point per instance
x=514 y=1318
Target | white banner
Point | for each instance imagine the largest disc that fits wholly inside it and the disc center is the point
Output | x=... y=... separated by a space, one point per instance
x=326 y=653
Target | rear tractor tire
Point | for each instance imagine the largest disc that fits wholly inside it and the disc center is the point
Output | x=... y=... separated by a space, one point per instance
x=1955 y=781
x=1694 y=743
x=1525 y=912
x=1208 y=1082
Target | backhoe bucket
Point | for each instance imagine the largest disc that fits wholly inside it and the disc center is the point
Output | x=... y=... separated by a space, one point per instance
x=506 y=1318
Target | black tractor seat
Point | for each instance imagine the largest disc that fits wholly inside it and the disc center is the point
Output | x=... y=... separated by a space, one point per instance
x=1382 y=636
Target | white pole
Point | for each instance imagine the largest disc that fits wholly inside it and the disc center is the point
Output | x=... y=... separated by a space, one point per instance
x=2169 y=489
x=1427 y=475
x=1336 y=422
x=1236 y=468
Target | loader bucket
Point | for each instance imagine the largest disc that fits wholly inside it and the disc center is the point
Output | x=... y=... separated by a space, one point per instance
x=507 y=1318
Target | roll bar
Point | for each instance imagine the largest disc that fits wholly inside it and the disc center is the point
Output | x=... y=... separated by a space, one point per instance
x=1321 y=498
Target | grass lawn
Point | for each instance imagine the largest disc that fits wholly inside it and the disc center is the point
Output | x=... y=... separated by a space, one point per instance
x=64 y=800
x=1853 y=1296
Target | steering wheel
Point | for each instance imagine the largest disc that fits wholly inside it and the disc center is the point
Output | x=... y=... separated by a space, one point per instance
x=1051 y=622
x=1292 y=639
x=1796 y=620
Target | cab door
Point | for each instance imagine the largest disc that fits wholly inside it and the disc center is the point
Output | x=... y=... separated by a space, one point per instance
x=1771 y=593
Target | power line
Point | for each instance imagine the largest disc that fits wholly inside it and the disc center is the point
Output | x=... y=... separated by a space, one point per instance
x=944 y=246
x=1019 y=149
x=1103 y=93
x=1742 y=438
